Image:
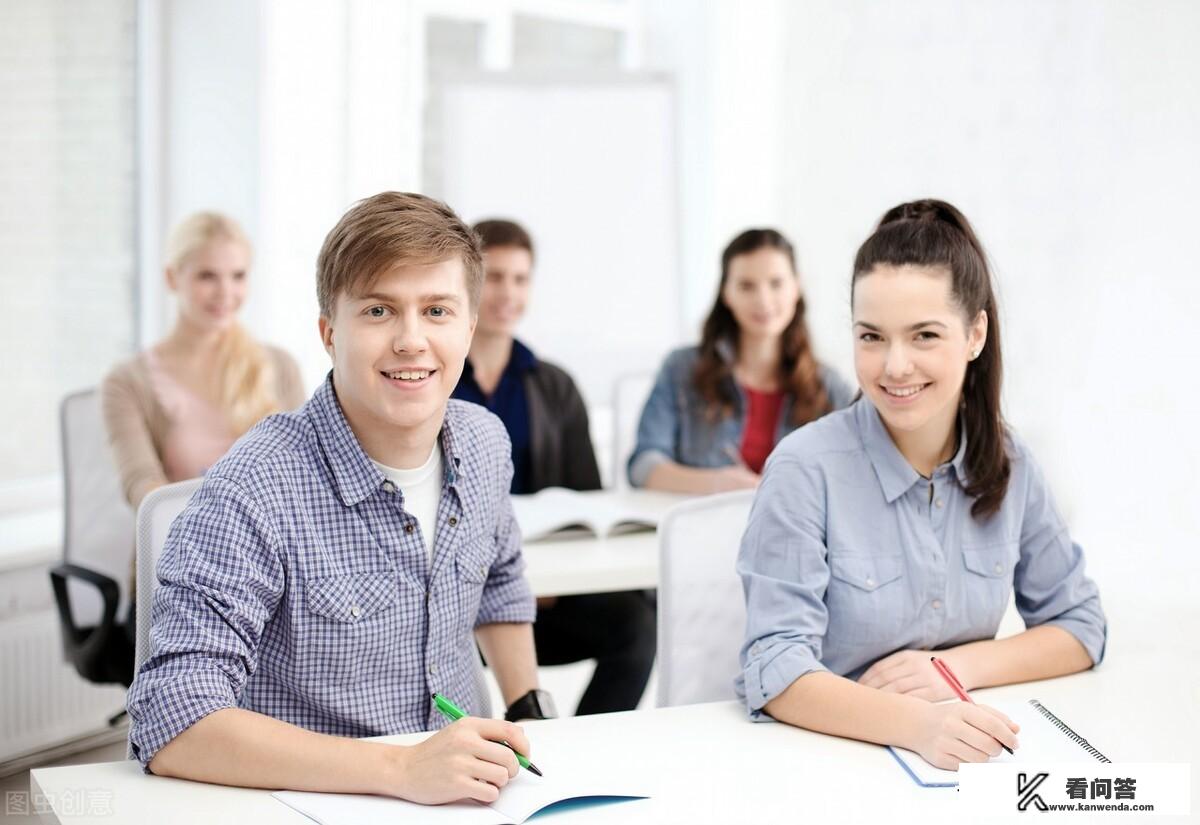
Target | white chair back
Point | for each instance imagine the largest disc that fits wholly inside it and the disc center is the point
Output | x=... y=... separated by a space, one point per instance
x=154 y=518
x=629 y=397
x=701 y=610
x=97 y=521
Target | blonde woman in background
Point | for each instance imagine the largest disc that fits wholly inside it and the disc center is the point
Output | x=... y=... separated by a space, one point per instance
x=174 y=409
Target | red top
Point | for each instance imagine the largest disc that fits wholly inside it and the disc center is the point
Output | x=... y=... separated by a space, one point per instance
x=762 y=420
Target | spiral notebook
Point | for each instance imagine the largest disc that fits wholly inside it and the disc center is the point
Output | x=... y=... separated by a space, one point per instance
x=1044 y=737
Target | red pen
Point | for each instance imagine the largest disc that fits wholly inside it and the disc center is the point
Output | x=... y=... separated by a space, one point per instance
x=946 y=673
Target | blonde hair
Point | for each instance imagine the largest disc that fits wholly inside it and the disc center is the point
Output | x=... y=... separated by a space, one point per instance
x=247 y=383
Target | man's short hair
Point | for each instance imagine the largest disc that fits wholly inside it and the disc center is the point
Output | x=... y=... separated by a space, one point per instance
x=500 y=232
x=388 y=229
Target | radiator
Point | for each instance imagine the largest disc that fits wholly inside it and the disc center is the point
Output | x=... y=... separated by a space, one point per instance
x=43 y=702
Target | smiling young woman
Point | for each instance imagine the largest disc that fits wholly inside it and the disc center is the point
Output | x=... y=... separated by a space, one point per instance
x=174 y=409
x=718 y=409
x=904 y=523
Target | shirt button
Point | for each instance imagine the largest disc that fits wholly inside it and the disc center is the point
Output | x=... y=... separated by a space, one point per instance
x=937 y=503
x=870 y=582
x=355 y=611
x=408 y=528
x=999 y=568
x=453 y=521
x=483 y=571
x=391 y=488
x=937 y=604
x=433 y=669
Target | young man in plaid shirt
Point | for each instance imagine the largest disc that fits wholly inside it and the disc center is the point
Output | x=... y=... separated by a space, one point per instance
x=339 y=564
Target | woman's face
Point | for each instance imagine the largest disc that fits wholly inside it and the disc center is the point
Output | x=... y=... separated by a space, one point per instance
x=761 y=291
x=210 y=284
x=912 y=345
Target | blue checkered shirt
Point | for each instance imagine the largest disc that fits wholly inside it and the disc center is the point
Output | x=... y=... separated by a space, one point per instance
x=296 y=585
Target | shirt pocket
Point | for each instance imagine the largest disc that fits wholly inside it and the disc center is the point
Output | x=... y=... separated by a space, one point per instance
x=865 y=598
x=472 y=564
x=352 y=623
x=987 y=582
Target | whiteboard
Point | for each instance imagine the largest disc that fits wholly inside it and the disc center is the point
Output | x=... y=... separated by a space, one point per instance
x=589 y=168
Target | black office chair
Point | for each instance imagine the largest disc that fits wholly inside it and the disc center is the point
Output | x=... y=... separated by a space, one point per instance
x=97 y=547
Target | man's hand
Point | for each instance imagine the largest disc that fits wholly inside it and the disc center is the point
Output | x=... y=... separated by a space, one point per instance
x=464 y=760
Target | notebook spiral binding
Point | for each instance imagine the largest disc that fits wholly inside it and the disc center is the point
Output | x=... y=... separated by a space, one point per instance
x=1065 y=728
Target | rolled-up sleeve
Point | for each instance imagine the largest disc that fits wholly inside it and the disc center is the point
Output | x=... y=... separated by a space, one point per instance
x=219 y=581
x=506 y=595
x=784 y=570
x=658 y=428
x=1050 y=581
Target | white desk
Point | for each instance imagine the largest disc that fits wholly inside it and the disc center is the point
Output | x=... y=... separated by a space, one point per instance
x=711 y=765
x=586 y=564
x=583 y=563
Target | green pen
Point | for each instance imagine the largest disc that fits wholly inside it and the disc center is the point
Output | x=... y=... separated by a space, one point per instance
x=452 y=712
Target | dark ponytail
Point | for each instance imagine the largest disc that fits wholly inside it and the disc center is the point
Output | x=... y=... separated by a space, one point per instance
x=934 y=233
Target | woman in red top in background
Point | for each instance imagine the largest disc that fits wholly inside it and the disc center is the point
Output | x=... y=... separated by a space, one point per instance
x=718 y=409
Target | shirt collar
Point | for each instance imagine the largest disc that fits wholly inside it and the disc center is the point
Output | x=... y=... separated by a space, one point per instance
x=522 y=358
x=354 y=474
x=896 y=475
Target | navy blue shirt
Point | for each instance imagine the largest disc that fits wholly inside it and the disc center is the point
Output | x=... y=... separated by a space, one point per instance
x=510 y=403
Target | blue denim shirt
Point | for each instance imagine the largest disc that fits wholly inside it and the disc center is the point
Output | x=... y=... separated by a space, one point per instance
x=674 y=426
x=850 y=555
x=297 y=585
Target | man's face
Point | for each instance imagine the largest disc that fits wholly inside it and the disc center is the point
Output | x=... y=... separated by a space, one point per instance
x=398 y=349
x=507 y=273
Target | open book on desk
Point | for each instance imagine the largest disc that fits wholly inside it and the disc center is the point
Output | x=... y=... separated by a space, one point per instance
x=523 y=796
x=1043 y=737
x=602 y=512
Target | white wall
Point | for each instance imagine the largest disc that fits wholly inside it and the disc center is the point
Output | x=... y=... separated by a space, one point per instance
x=727 y=61
x=1067 y=132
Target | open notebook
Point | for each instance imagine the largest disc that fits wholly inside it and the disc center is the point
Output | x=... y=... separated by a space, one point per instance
x=603 y=512
x=1043 y=738
x=521 y=798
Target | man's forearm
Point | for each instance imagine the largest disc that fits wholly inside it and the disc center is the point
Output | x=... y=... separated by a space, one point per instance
x=509 y=651
x=247 y=749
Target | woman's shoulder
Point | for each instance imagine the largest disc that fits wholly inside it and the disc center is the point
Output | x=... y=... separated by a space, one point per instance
x=840 y=391
x=681 y=361
x=830 y=438
x=280 y=358
x=129 y=374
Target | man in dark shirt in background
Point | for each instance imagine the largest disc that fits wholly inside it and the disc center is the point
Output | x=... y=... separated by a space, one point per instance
x=548 y=424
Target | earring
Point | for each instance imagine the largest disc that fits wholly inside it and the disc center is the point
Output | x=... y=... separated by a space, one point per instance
x=974 y=354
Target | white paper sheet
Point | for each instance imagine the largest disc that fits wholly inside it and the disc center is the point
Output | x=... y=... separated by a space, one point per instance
x=523 y=796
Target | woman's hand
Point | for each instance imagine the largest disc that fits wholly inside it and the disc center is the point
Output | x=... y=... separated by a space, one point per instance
x=950 y=734
x=733 y=477
x=910 y=672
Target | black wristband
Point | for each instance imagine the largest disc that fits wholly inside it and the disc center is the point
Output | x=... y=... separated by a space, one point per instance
x=536 y=704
